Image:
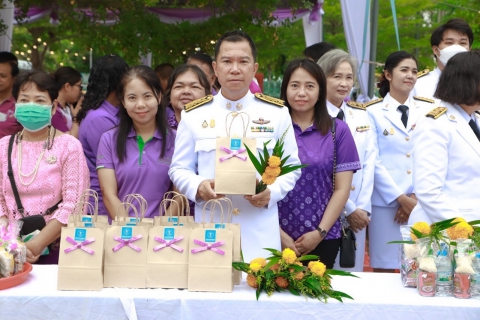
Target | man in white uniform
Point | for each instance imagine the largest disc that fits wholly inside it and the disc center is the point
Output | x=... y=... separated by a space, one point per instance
x=447 y=40
x=193 y=165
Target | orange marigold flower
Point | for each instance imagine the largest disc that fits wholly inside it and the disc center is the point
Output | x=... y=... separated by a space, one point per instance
x=252 y=281
x=274 y=161
x=422 y=227
x=289 y=256
x=281 y=282
x=273 y=171
x=460 y=231
x=268 y=179
x=275 y=267
x=299 y=275
x=317 y=268
x=261 y=261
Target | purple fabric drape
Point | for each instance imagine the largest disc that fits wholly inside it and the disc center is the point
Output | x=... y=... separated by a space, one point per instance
x=168 y=15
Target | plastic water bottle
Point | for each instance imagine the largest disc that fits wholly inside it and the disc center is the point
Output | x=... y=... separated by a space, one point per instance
x=475 y=282
x=444 y=280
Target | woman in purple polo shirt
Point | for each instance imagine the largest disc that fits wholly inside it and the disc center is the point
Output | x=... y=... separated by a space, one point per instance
x=99 y=112
x=135 y=156
x=309 y=214
x=186 y=84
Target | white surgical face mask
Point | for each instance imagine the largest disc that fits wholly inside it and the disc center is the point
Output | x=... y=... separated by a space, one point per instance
x=448 y=52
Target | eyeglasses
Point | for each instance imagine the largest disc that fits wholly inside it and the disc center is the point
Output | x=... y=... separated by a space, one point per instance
x=80 y=86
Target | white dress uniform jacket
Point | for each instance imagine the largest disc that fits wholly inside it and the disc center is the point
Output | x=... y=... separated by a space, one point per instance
x=446 y=167
x=194 y=161
x=427 y=83
x=393 y=172
x=362 y=183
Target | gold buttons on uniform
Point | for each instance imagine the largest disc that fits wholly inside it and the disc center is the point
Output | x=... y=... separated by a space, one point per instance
x=236 y=211
x=352 y=188
x=239 y=106
x=229 y=105
x=409 y=171
x=407 y=138
x=408 y=155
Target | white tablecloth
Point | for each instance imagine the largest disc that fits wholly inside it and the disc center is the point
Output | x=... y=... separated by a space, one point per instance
x=377 y=296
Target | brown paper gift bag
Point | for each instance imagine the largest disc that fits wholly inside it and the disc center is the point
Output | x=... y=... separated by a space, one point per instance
x=232 y=163
x=210 y=259
x=90 y=210
x=167 y=257
x=173 y=217
x=80 y=261
x=235 y=228
x=126 y=255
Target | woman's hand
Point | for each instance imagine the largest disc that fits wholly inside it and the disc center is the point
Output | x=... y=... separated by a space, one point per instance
x=401 y=217
x=407 y=203
x=358 y=220
x=31 y=258
x=287 y=242
x=307 y=242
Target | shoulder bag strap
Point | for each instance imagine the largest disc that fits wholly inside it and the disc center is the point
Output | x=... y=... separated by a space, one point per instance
x=12 y=179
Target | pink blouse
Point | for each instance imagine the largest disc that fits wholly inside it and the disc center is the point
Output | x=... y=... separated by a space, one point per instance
x=62 y=174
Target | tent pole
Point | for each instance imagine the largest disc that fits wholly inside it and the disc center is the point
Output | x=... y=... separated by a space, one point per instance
x=373 y=47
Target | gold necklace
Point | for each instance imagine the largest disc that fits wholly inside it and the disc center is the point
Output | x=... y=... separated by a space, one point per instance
x=37 y=165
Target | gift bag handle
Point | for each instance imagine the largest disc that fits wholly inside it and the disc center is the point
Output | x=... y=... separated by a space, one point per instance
x=174 y=195
x=90 y=193
x=78 y=210
x=126 y=206
x=141 y=201
x=230 y=208
x=234 y=114
x=213 y=202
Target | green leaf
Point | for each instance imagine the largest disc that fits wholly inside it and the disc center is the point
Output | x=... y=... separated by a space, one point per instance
x=275 y=252
x=401 y=241
x=290 y=168
x=273 y=260
x=308 y=257
x=293 y=290
x=474 y=222
x=417 y=233
x=266 y=155
x=296 y=267
x=334 y=272
x=254 y=160
x=241 y=266
x=284 y=160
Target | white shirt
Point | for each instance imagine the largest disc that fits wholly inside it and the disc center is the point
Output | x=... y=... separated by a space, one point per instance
x=427 y=84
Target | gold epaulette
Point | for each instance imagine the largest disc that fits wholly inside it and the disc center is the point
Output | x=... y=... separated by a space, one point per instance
x=368 y=104
x=424 y=99
x=356 y=105
x=197 y=103
x=437 y=112
x=422 y=73
x=271 y=100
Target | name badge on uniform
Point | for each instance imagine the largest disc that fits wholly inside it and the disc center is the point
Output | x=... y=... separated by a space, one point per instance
x=363 y=128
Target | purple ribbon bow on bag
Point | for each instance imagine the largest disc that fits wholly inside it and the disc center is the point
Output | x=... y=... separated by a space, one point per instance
x=127 y=243
x=233 y=153
x=167 y=243
x=79 y=245
x=206 y=246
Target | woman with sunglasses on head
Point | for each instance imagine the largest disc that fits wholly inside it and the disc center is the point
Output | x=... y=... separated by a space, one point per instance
x=49 y=168
x=393 y=120
x=135 y=156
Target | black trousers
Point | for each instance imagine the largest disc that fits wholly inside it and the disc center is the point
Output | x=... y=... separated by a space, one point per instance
x=327 y=250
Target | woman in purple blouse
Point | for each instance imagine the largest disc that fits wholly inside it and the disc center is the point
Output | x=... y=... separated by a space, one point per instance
x=99 y=112
x=309 y=214
x=186 y=84
x=135 y=156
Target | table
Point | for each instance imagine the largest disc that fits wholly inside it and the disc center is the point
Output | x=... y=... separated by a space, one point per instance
x=377 y=296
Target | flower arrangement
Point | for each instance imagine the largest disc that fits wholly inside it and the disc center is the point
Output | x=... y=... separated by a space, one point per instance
x=285 y=271
x=271 y=166
x=462 y=230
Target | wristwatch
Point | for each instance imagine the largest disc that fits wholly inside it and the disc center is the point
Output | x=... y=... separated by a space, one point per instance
x=323 y=233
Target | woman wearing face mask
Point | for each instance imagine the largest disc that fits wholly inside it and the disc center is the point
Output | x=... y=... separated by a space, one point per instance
x=49 y=167
x=340 y=69
x=393 y=120
x=309 y=214
x=187 y=83
x=135 y=156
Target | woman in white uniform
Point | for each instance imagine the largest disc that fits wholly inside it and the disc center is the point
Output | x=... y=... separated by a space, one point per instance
x=340 y=69
x=393 y=121
x=447 y=147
